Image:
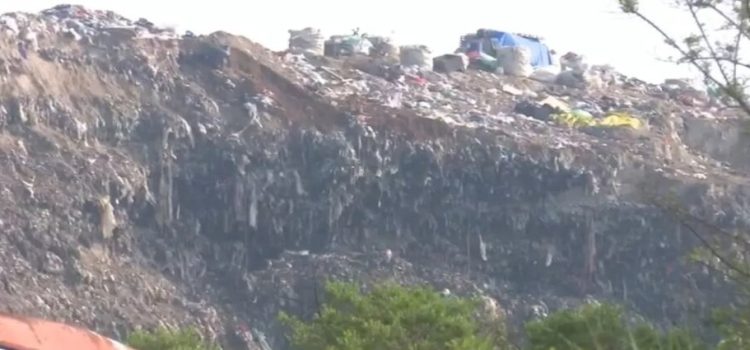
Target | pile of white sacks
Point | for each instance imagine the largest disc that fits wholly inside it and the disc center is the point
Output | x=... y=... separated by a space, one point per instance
x=306 y=40
x=571 y=70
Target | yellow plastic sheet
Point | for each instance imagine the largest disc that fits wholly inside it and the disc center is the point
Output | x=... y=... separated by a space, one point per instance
x=620 y=119
x=577 y=119
x=574 y=120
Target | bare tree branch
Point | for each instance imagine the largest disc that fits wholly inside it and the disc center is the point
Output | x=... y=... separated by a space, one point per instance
x=718 y=270
x=742 y=103
x=733 y=61
x=683 y=218
x=708 y=245
x=737 y=42
x=711 y=50
x=741 y=32
x=729 y=20
x=714 y=228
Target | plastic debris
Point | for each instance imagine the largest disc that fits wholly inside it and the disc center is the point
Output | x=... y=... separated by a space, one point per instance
x=417 y=56
x=306 y=40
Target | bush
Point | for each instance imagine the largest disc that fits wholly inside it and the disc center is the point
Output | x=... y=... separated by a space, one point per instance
x=164 y=339
x=390 y=317
x=602 y=327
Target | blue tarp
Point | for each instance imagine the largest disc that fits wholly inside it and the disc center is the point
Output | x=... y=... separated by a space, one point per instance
x=540 y=55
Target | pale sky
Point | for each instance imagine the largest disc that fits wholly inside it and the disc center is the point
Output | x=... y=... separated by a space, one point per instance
x=593 y=28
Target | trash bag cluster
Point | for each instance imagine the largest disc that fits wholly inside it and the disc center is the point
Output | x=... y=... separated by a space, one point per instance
x=579 y=118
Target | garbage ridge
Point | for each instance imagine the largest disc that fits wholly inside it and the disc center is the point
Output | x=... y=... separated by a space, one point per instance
x=155 y=178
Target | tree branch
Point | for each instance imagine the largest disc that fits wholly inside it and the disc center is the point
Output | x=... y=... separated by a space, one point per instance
x=710 y=47
x=732 y=61
x=744 y=105
x=741 y=32
x=716 y=229
x=679 y=214
x=722 y=259
x=729 y=20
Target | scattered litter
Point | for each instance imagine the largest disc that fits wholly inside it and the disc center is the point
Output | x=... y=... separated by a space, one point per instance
x=511 y=90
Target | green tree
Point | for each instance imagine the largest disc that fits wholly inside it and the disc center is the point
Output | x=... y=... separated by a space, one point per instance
x=602 y=327
x=391 y=317
x=165 y=339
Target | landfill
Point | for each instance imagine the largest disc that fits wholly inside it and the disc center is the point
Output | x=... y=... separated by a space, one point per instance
x=154 y=178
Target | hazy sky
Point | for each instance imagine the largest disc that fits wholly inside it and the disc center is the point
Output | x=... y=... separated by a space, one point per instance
x=594 y=28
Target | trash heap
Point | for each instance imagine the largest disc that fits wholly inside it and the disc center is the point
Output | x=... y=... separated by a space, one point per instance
x=209 y=156
x=493 y=80
x=522 y=88
x=77 y=23
x=506 y=56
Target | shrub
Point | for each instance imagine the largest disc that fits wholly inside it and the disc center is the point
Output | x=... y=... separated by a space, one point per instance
x=602 y=327
x=165 y=339
x=390 y=317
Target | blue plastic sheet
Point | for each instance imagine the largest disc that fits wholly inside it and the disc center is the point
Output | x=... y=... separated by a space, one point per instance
x=540 y=55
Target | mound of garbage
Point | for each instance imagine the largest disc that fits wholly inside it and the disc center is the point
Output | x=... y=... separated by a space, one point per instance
x=155 y=178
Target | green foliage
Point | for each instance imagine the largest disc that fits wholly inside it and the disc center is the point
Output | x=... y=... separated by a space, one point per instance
x=391 y=317
x=164 y=339
x=734 y=328
x=602 y=327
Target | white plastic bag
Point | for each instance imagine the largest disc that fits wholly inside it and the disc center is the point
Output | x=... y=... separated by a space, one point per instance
x=359 y=45
x=573 y=61
x=416 y=55
x=547 y=74
x=306 y=40
x=384 y=47
x=515 y=60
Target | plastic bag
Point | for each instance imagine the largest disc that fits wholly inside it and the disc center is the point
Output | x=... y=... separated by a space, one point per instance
x=574 y=120
x=306 y=40
x=416 y=55
x=571 y=79
x=358 y=45
x=579 y=113
x=383 y=47
x=515 y=60
x=450 y=63
x=546 y=74
x=573 y=61
x=580 y=118
x=487 y=62
x=620 y=119
x=556 y=103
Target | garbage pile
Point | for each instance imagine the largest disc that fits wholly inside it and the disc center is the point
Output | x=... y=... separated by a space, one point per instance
x=77 y=23
x=510 y=83
x=503 y=54
x=209 y=156
x=477 y=99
